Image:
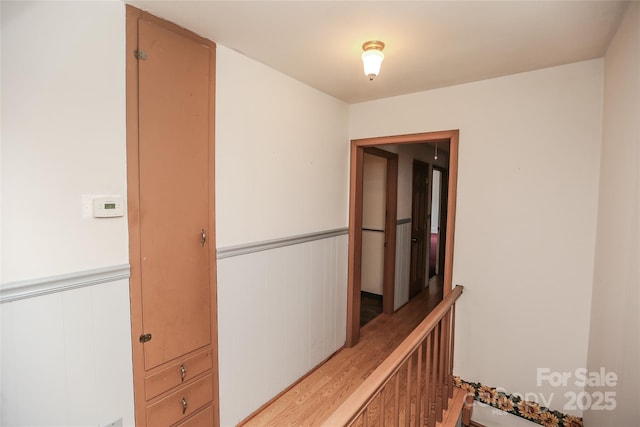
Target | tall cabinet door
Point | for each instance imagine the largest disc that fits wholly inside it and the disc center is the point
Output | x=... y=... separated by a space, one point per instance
x=170 y=169
x=174 y=188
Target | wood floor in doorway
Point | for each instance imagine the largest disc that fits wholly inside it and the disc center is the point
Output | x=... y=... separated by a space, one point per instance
x=316 y=396
x=370 y=307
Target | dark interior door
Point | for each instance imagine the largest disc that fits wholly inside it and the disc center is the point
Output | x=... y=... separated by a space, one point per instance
x=442 y=218
x=419 y=227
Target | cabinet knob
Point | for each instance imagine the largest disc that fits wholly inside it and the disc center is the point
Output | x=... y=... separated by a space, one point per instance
x=203 y=237
x=183 y=372
x=145 y=338
x=184 y=405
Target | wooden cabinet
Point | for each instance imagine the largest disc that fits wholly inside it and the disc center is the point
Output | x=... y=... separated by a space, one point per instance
x=177 y=373
x=181 y=403
x=170 y=130
x=203 y=418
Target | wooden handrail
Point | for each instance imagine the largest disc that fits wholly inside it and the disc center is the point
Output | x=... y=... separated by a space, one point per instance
x=358 y=401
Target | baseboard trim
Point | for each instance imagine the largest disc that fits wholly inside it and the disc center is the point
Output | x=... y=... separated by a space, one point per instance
x=24 y=289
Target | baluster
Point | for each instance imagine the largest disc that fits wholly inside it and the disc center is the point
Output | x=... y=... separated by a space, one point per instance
x=396 y=401
x=441 y=356
x=453 y=333
x=419 y=387
x=427 y=379
x=445 y=362
x=407 y=414
x=382 y=420
x=434 y=373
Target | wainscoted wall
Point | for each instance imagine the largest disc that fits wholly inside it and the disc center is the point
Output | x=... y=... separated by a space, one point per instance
x=403 y=261
x=66 y=357
x=282 y=162
x=281 y=311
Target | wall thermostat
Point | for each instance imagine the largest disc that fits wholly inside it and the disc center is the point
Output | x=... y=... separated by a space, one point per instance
x=108 y=207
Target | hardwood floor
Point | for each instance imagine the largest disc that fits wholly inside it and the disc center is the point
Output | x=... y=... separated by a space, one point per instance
x=316 y=396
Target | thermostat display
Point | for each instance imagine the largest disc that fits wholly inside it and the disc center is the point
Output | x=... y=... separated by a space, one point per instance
x=108 y=207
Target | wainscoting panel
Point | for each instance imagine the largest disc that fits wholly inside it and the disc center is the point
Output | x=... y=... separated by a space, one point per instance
x=281 y=312
x=403 y=259
x=66 y=358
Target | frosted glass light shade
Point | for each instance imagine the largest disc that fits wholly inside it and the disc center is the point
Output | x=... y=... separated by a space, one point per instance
x=372 y=60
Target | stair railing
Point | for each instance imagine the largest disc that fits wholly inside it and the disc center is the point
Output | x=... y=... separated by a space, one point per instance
x=412 y=387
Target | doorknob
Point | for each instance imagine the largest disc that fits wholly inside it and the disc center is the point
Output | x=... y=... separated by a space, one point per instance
x=203 y=237
x=414 y=240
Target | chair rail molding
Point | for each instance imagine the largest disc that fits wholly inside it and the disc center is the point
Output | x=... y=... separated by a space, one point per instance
x=31 y=288
x=243 y=249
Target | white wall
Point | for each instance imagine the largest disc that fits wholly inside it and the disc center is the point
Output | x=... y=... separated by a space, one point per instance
x=63 y=136
x=281 y=154
x=374 y=197
x=526 y=215
x=614 y=341
x=281 y=171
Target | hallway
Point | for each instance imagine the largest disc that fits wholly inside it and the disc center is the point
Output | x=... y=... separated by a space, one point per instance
x=316 y=396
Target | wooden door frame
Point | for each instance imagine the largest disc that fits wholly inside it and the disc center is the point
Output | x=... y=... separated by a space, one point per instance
x=133 y=15
x=355 y=215
x=391 y=215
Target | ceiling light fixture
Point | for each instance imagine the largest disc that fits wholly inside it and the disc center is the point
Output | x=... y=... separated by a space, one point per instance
x=372 y=58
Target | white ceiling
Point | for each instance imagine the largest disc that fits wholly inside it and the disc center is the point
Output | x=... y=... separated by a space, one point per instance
x=429 y=44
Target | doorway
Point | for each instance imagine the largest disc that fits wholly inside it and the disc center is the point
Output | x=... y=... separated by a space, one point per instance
x=379 y=194
x=358 y=147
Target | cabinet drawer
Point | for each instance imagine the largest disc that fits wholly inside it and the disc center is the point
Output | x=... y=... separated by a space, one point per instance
x=181 y=403
x=203 y=419
x=177 y=373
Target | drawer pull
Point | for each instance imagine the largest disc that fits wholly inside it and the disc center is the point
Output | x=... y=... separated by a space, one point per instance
x=183 y=373
x=184 y=405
